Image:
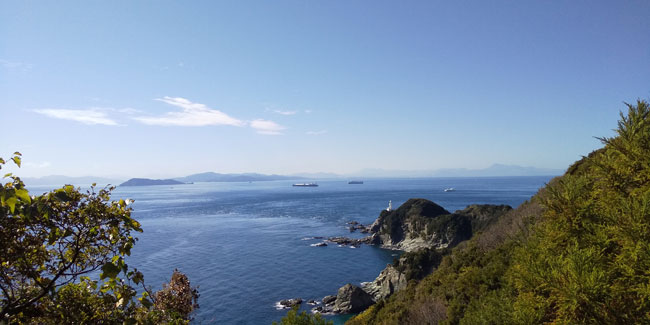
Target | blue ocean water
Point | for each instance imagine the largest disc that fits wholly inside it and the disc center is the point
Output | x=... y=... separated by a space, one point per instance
x=247 y=245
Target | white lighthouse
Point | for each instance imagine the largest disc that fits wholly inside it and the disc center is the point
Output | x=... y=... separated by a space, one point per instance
x=390 y=206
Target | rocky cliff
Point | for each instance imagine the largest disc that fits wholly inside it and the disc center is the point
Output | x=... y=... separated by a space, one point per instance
x=425 y=231
x=420 y=223
x=352 y=299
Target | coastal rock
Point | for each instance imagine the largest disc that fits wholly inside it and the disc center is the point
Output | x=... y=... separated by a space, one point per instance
x=321 y=244
x=410 y=266
x=290 y=303
x=329 y=300
x=414 y=225
x=350 y=241
x=355 y=225
x=352 y=299
x=389 y=281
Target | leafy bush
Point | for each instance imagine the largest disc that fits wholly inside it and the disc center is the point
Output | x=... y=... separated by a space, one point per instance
x=295 y=318
x=50 y=243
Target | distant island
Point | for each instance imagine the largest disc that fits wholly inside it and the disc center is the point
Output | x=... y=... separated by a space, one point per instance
x=148 y=182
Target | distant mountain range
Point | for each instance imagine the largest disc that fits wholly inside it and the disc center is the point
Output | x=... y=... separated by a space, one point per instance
x=318 y=175
x=499 y=170
x=495 y=170
x=246 y=177
x=148 y=181
x=492 y=171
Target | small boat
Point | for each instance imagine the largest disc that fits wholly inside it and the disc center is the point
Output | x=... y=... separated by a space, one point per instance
x=305 y=185
x=450 y=189
x=355 y=182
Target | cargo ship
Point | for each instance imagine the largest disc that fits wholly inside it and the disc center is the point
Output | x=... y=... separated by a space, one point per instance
x=305 y=185
x=355 y=182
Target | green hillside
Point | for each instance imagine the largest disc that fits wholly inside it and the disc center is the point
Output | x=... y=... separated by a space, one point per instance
x=576 y=252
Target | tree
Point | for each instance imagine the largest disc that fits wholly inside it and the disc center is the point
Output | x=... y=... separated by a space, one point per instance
x=51 y=243
x=295 y=318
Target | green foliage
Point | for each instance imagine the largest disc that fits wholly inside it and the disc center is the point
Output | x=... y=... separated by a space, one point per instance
x=295 y=318
x=492 y=307
x=177 y=297
x=583 y=258
x=50 y=243
x=450 y=224
x=416 y=265
x=468 y=273
x=588 y=260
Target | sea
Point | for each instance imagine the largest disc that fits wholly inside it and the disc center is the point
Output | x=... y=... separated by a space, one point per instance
x=248 y=245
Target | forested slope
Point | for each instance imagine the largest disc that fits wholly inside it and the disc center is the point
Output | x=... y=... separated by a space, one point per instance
x=576 y=252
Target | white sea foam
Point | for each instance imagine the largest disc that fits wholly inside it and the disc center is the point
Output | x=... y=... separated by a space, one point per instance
x=314 y=311
x=311 y=238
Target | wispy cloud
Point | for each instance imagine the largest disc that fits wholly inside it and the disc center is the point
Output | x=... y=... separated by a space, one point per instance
x=38 y=165
x=267 y=127
x=316 y=132
x=193 y=114
x=87 y=116
x=14 y=65
x=285 y=112
x=129 y=110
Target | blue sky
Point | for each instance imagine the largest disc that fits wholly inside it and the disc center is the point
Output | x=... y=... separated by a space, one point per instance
x=169 y=88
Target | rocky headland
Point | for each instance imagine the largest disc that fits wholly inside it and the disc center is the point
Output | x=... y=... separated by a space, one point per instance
x=424 y=231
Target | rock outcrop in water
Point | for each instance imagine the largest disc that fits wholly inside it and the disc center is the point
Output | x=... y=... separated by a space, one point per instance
x=410 y=266
x=350 y=241
x=389 y=281
x=289 y=303
x=352 y=299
